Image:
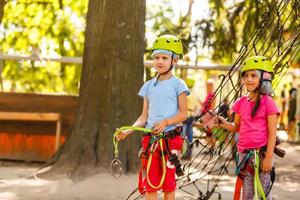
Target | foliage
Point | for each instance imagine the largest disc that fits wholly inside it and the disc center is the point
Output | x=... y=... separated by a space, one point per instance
x=46 y=27
x=232 y=24
x=56 y=28
x=161 y=19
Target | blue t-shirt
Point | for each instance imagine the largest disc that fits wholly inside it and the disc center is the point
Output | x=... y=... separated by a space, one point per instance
x=163 y=99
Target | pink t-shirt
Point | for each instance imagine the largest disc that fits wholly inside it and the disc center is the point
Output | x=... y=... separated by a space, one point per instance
x=253 y=133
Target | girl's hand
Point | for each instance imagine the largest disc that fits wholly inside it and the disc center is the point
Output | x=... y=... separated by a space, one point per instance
x=220 y=121
x=159 y=127
x=122 y=135
x=267 y=164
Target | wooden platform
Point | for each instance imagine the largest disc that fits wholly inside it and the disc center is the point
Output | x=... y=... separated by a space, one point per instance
x=26 y=116
x=32 y=126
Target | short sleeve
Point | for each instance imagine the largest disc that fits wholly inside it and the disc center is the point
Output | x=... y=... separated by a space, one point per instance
x=144 y=89
x=271 y=107
x=237 y=106
x=182 y=87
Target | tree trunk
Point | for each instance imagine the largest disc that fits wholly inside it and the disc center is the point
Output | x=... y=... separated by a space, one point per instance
x=2 y=4
x=111 y=77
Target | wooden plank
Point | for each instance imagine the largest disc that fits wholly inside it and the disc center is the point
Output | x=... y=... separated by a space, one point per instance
x=33 y=118
x=28 y=102
x=28 y=147
x=26 y=116
x=33 y=127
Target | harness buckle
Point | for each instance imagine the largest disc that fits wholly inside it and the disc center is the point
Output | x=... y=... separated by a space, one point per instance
x=142 y=154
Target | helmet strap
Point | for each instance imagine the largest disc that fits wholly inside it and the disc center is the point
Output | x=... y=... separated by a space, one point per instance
x=171 y=65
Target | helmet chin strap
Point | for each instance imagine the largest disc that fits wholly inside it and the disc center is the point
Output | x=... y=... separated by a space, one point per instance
x=171 y=65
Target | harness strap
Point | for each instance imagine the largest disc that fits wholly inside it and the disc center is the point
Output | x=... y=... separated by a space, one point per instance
x=164 y=166
x=242 y=165
x=273 y=175
x=168 y=152
x=238 y=188
x=259 y=191
x=241 y=171
x=141 y=179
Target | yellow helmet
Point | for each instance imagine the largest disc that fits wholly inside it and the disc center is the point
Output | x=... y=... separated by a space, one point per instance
x=168 y=42
x=257 y=62
x=190 y=82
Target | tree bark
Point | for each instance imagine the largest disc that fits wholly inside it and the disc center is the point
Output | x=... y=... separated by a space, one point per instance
x=2 y=4
x=111 y=77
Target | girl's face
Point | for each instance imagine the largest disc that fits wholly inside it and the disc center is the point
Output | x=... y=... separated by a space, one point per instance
x=251 y=80
x=162 y=62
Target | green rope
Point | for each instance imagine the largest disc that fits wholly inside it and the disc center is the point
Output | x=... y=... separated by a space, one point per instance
x=116 y=164
x=123 y=128
x=259 y=191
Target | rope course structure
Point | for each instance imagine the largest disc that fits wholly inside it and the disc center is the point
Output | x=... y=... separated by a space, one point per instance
x=273 y=39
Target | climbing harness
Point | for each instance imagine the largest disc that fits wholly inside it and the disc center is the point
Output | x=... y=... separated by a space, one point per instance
x=243 y=167
x=241 y=171
x=146 y=160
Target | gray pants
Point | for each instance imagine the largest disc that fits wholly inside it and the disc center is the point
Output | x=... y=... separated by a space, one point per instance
x=248 y=186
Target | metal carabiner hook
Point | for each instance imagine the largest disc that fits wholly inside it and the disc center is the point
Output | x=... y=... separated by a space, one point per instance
x=116 y=167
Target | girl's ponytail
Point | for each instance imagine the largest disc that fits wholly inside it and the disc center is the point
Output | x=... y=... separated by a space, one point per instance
x=256 y=106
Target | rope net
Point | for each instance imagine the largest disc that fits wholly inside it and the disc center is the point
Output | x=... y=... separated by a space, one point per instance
x=211 y=160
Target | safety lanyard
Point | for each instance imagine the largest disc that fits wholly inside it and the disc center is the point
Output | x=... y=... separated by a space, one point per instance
x=116 y=165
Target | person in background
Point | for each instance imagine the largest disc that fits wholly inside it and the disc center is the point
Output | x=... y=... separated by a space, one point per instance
x=188 y=123
x=292 y=108
x=283 y=107
x=208 y=104
x=224 y=109
x=225 y=112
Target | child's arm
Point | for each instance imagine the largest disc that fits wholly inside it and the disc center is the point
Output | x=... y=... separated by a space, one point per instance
x=179 y=117
x=140 y=122
x=231 y=127
x=268 y=160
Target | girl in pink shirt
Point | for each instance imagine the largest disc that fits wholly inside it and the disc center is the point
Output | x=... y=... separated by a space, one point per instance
x=255 y=120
